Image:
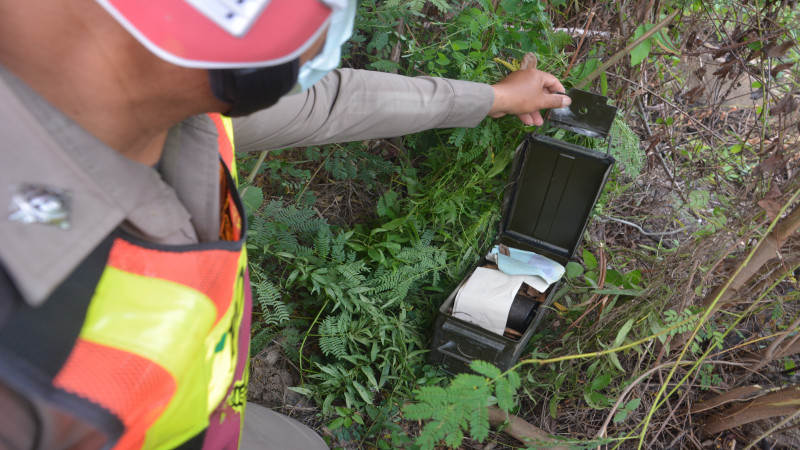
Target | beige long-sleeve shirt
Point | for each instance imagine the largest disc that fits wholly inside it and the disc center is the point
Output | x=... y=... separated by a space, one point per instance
x=349 y=105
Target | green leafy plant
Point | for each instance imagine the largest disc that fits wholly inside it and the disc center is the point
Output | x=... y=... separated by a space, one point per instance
x=462 y=406
x=370 y=328
x=626 y=410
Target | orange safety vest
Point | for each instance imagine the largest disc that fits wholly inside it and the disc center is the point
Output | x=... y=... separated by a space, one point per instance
x=148 y=343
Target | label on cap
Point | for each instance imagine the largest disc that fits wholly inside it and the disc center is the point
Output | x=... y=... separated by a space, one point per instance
x=234 y=16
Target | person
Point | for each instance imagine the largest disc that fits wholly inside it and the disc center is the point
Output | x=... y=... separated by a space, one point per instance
x=124 y=297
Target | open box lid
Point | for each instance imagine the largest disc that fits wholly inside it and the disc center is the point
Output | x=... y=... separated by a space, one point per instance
x=554 y=185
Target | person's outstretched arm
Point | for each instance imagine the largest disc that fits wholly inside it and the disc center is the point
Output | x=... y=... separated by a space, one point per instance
x=350 y=105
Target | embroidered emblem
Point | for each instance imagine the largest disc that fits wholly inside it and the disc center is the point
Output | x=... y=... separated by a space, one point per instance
x=37 y=203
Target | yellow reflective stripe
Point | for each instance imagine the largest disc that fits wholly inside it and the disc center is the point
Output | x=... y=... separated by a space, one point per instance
x=227 y=122
x=167 y=323
x=223 y=358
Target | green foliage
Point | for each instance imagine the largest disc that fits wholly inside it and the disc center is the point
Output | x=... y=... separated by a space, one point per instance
x=353 y=304
x=352 y=161
x=688 y=317
x=625 y=148
x=659 y=40
x=640 y=52
x=708 y=378
x=594 y=398
x=626 y=410
x=370 y=330
x=252 y=198
x=271 y=300
x=462 y=406
x=573 y=270
x=286 y=172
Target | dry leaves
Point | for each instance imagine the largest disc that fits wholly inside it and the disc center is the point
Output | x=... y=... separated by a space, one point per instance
x=780 y=68
x=775 y=50
x=788 y=104
x=771 y=203
x=769 y=165
x=739 y=394
x=694 y=95
x=778 y=403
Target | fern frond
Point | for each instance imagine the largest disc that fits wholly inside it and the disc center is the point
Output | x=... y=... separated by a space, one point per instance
x=260 y=340
x=460 y=406
x=458 y=137
x=333 y=335
x=484 y=368
x=479 y=424
x=351 y=273
x=338 y=244
x=625 y=146
x=276 y=312
x=322 y=242
x=299 y=220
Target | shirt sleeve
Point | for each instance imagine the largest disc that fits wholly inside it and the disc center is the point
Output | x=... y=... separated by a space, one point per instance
x=348 y=105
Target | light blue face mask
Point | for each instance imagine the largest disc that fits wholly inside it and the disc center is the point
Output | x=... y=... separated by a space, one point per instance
x=339 y=31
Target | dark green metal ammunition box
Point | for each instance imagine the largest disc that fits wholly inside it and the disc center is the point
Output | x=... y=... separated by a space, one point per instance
x=552 y=190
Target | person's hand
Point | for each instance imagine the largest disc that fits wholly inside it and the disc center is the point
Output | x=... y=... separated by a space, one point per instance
x=525 y=92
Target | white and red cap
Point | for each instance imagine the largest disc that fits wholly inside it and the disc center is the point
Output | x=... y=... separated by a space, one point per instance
x=224 y=34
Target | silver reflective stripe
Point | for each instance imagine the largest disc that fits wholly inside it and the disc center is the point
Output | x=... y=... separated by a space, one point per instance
x=234 y=16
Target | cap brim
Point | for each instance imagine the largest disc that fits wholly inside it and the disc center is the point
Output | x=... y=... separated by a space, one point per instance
x=177 y=32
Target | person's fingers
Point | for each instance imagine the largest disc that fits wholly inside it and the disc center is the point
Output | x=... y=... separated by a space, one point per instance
x=537 y=119
x=549 y=101
x=527 y=119
x=547 y=98
x=525 y=92
x=551 y=83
